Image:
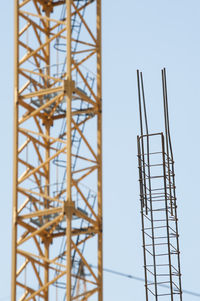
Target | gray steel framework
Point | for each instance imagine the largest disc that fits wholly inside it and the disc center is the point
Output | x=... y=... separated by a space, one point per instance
x=158 y=206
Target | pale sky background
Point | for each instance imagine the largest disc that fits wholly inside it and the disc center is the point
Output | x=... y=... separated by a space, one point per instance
x=148 y=35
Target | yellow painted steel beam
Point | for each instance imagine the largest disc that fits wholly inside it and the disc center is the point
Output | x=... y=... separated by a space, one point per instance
x=57 y=170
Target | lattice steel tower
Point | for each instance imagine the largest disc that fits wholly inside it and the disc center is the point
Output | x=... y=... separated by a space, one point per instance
x=57 y=184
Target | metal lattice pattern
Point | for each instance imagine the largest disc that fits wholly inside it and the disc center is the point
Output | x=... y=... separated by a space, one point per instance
x=57 y=201
x=158 y=209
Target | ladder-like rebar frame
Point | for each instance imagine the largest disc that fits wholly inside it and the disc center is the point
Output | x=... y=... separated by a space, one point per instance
x=158 y=206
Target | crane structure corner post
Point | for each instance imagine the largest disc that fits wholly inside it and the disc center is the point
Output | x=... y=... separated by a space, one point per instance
x=57 y=169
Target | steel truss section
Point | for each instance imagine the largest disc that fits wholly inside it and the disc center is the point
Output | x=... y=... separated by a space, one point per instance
x=158 y=206
x=57 y=174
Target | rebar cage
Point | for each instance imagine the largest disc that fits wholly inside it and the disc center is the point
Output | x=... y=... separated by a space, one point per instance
x=158 y=208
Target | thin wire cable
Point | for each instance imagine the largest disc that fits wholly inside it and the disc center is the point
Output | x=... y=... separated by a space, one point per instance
x=188 y=292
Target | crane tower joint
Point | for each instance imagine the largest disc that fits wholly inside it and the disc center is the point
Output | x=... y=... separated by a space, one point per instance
x=69 y=207
x=69 y=85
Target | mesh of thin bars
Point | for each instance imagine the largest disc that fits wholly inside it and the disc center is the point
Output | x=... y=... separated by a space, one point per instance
x=159 y=219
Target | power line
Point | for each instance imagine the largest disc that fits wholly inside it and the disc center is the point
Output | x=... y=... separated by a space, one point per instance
x=142 y=280
x=126 y=276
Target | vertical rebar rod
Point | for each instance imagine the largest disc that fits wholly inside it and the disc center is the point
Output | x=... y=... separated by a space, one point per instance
x=141 y=132
x=152 y=222
x=167 y=112
x=174 y=190
x=144 y=104
x=140 y=78
x=140 y=103
x=167 y=137
x=146 y=124
x=142 y=216
x=167 y=217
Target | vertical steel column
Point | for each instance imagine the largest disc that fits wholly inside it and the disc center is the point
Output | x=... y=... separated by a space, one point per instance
x=69 y=146
x=47 y=156
x=99 y=151
x=47 y=187
x=15 y=152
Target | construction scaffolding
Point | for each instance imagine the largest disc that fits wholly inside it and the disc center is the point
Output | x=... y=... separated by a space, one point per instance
x=158 y=205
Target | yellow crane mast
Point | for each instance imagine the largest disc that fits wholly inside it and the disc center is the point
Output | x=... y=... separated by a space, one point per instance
x=57 y=174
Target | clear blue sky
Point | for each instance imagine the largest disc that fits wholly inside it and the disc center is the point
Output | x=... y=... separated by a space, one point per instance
x=136 y=34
